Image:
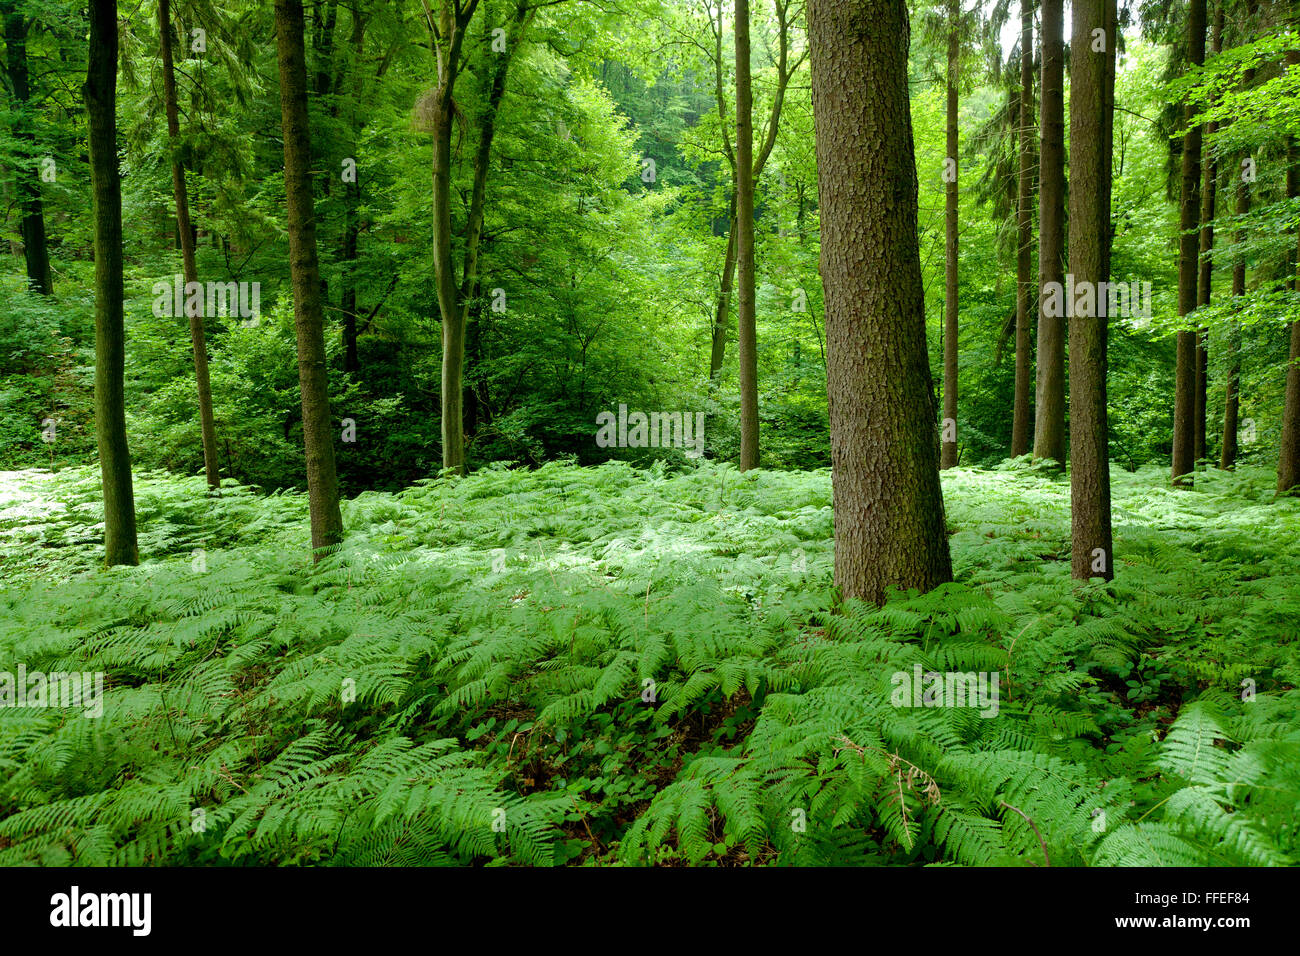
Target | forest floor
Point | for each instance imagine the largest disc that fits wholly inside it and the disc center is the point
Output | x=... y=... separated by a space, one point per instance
x=601 y=665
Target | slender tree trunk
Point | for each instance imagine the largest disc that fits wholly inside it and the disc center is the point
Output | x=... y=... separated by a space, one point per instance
x=1206 y=268
x=207 y=428
x=449 y=41
x=1232 y=395
x=1108 y=137
x=100 y=94
x=889 y=518
x=746 y=319
x=32 y=224
x=1049 y=404
x=722 y=315
x=784 y=70
x=948 y=430
x=1232 y=399
x=351 y=225
x=1184 y=453
x=1288 y=461
x=1022 y=419
x=1091 y=551
x=304 y=266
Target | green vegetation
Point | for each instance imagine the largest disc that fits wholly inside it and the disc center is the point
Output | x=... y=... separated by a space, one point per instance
x=663 y=433
x=501 y=665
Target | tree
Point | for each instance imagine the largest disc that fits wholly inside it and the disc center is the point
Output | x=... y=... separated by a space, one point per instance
x=1184 y=452
x=1204 y=251
x=747 y=344
x=948 y=433
x=454 y=297
x=32 y=227
x=1091 y=551
x=304 y=265
x=1232 y=387
x=1049 y=403
x=1288 y=460
x=890 y=529
x=197 y=339
x=100 y=94
x=746 y=320
x=1021 y=427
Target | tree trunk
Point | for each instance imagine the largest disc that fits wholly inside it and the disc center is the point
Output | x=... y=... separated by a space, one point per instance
x=1184 y=453
x=746 y=320
x=448 y=43
x=351 y=226
x=32 y=224
x=948 y=429
x=1206 y=268
x=1232 y=400
x=207 y=428
x=304 y=266
x=1288 y=461
x=1232 y=394
x=100 y=94
x=1049 y=404
x=1091 y=551
x=1022 y=419
x=889 y=518
x=722 y=315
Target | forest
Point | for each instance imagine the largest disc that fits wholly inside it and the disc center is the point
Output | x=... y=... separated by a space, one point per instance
x=650 y=433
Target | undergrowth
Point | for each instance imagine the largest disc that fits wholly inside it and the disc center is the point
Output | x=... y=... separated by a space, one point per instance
x=611 y=666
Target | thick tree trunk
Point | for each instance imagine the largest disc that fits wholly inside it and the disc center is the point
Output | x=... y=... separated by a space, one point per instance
x=889 y=519
x=1288 y=461
x=1022 y=418
x=36 y=254
x=100 y=94
x=948 y=427
x=207 y=428
x=304 y=266
x=1184 y=452
x=1206 y=268
x=1049 y=404
x=1091 y=551
x=746 y=320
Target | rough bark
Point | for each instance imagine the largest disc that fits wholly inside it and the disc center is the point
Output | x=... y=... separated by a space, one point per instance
x=100 y=94
x=1049 y=404
x=207 y=428
x=36 y=256
x=1184 y=451
x=746 y=320
x=948 y=427
x=1022 y=415
x=304 y=267
x=1091 y=551
x=888 y=504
